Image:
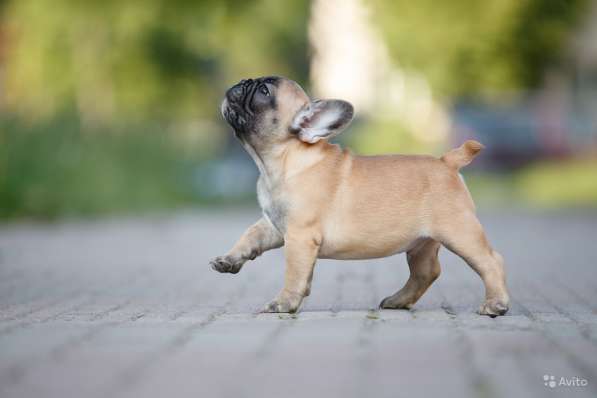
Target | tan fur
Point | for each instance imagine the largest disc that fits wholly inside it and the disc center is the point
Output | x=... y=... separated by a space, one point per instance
x=320 y=201
x=460 y=157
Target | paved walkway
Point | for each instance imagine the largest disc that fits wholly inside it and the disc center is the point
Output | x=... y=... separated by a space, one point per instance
x=130 y=308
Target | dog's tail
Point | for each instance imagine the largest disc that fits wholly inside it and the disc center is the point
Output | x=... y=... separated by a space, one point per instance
x=463 y=155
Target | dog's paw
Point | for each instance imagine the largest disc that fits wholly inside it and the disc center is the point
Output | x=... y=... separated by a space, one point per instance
x=284 y=303
x=493 y=308
x=395 y=303
x=226 y=264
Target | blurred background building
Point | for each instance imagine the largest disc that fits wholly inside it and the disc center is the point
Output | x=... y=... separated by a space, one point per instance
x=113 y=106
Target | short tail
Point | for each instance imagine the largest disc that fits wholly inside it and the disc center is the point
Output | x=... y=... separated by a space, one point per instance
x=460 y=157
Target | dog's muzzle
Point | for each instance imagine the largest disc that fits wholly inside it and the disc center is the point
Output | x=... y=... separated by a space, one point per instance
x=235 y=107
x=238 y=92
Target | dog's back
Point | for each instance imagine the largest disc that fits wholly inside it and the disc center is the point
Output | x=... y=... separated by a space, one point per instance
x=384 y=204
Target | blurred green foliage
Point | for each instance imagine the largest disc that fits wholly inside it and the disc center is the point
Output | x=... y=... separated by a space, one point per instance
x=382 y=136
x=53 y=169
x=122 y=61
x=556 y=184
x=472 y=48
x=545 y=185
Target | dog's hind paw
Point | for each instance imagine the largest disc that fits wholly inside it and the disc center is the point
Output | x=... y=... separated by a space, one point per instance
x=395 y=303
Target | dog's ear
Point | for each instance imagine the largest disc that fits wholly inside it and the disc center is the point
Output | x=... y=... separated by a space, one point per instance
x=321 y=119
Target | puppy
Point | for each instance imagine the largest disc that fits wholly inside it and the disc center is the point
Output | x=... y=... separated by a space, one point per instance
x=320 y=201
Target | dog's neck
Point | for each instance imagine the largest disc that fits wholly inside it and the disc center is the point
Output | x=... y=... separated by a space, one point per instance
x=281 y=162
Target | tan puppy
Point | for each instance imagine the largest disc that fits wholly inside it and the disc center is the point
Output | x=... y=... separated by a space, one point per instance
x=320 y=201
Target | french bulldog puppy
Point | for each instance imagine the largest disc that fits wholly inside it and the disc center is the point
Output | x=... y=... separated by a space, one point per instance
x=321 y=201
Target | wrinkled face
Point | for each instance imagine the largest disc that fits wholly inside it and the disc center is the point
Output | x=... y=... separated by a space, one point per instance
x=247 y=101
x=272 y=110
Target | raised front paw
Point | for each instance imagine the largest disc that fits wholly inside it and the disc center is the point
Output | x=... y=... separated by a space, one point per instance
x=284 y=302
x=226 y=264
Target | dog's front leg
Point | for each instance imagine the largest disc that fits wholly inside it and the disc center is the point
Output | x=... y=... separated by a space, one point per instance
x=260 y=237
x=301 y=249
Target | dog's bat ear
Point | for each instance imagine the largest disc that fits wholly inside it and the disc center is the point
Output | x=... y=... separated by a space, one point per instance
x=321 y=119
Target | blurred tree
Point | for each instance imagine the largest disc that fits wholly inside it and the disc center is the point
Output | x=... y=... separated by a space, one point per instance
x=115 y=61
x=469 y=47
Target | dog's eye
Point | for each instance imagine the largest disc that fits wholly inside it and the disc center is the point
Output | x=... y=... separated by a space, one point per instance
x=264 y=91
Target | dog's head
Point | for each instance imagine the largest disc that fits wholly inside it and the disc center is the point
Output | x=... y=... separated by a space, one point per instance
x=273 y=110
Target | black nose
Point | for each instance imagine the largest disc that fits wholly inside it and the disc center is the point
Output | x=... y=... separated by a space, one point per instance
x=236 y=92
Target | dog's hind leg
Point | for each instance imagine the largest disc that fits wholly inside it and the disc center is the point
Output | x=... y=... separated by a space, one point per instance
x=424 y=269
x=467 y=239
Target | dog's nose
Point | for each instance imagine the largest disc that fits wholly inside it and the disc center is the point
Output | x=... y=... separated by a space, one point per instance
x=236 y=92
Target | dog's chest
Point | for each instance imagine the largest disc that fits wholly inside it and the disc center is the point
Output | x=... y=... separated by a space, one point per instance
x=272 y=204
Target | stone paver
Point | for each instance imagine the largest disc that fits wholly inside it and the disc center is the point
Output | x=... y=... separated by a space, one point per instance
x=130 y=308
